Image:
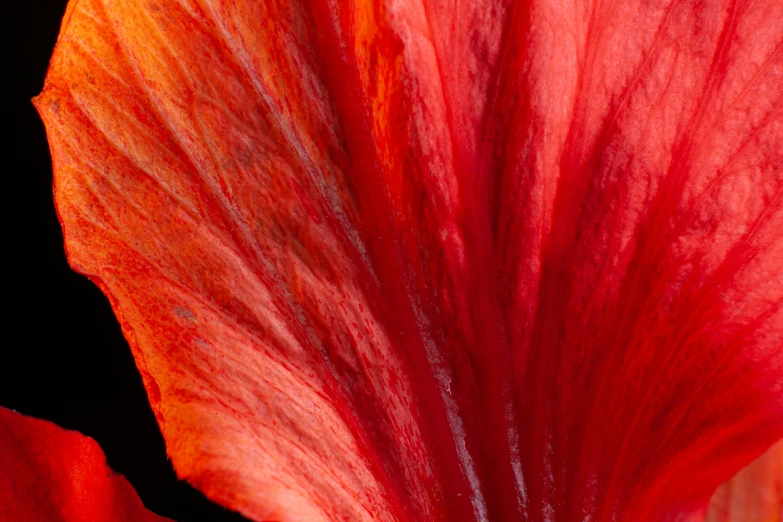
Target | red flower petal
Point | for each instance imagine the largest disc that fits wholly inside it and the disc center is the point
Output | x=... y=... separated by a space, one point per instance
x=409 y=261
x=48 y=473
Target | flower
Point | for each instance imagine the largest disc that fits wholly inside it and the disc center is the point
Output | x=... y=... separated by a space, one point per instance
x=49 y=473
x=408 y=261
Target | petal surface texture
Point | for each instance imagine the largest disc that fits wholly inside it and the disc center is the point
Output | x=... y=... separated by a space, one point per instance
x=48 y=474
x=416 y=260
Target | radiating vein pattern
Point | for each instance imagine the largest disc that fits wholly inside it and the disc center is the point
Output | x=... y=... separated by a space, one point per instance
x=416 y=260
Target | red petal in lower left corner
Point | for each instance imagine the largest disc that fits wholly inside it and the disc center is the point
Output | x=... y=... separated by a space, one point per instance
x=48 y=473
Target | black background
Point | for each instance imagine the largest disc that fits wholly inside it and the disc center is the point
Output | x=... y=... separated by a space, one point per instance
x=68 y=361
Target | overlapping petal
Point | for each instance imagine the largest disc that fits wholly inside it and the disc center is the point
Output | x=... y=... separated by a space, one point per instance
x=51 y=474
x=419 y=261
x=755 y=494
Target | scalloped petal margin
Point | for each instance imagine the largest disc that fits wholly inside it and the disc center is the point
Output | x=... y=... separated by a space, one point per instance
x=412 y=261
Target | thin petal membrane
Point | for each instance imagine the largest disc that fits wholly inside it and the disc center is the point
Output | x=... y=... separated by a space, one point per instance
x=415 y=261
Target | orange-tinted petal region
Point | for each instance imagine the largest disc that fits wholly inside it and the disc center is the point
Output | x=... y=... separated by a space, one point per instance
x=416 y=260
x=48 y=474
x=755 y=494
